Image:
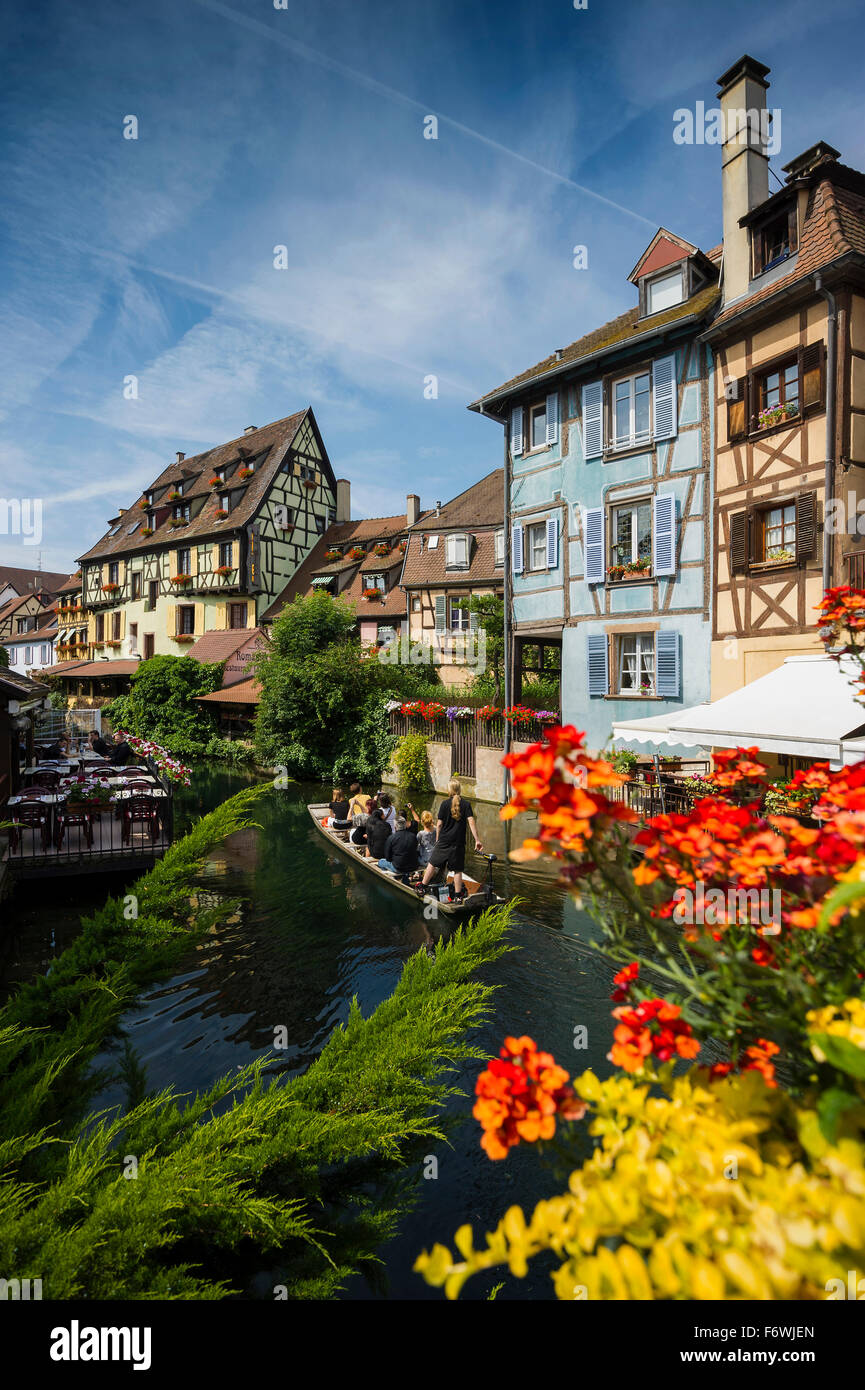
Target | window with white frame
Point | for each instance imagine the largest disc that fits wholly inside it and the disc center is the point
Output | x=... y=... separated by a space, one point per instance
x=536 y=546
x=28 y=656
x=374 y=581
x=632 y=534
x=664 y=291
x=632 y=410
x=500 y=547
x=636 y=663
x=459 y=616
x=538 y=426
x=415 y=604
x=432 y=543
x=457 y=552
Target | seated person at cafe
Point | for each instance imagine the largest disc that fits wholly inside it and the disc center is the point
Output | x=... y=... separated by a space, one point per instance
x=58 y=750
x=98 y=744
x=378 y=832
x=121 y=752
x=400 y=852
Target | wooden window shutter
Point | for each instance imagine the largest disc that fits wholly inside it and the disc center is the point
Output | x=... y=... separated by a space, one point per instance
x=553 y=418
x=665 y=390
x=593 y=545
x=664 y=533
x=198 y=629
x=737 y=408
x=517 y=431
x=739 y=549
x=811 y=376
x=793 y=228
x=235 y=554
x=517 y=549
x=552 y=542
x=171 y=619
x=250 y=612
x=121 y=627
x=193 y=560
x=667 y=664
x=441 y=612
x=593 y=419
x=597 y=664
x=221 y=612
x=806 y=525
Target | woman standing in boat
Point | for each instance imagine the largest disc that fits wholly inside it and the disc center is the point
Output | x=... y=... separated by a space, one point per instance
x=450 y=846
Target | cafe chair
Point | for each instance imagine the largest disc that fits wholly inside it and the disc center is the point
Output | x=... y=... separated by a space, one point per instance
x=78 y=816
x=29 y=816
x=139 y=810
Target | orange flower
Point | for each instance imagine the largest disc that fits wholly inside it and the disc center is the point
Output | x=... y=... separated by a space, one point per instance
x=519 y=1096
x=651 y=1028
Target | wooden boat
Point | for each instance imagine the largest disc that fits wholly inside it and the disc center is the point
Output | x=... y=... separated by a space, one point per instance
x=478 y=895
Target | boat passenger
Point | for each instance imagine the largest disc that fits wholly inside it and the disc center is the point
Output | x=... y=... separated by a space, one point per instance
x=389 y=809
x=450 y=846
x=357 y=800
x=361 y=820
x=339 y=810
x=426 y=838
x=400 y=852
x=378 y=832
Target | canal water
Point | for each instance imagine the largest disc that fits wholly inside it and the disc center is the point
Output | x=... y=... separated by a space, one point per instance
x=312 y=932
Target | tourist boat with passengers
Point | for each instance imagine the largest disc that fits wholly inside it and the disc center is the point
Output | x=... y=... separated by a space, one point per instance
x=478 y=895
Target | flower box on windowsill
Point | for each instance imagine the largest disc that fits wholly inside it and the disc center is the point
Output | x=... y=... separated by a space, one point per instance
x=110 y=588
x=245 y=473
x=216 y=483
x=757 y=566
x=224 y=571
x=381 y=550
x=372 y=595
x=778 y=415
x=221 y=516
x=356 y=553
x=113 y=642
x=147 y=530
x=175 y=497
x=181 y=578
x=177 y=521
x=183 y=637
x=143 y=506
x=333 y=555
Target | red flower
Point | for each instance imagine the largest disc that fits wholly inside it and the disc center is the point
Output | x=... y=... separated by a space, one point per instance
x=651 y=1028
x=519 y=1096
x=623 y=981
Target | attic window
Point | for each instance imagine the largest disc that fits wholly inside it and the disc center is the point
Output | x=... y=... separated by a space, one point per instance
x=133 y=528
x=114 y=530
x=432 y=543
x=664 y=291
x=774 y=240
x=457 y=548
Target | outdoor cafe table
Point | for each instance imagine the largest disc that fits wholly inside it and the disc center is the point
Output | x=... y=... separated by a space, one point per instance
x=117 y=786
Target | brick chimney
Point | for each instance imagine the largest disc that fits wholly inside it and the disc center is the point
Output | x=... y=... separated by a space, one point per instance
x=412 y=508
x=744 y=165
x=180 y=456
x=343 y=499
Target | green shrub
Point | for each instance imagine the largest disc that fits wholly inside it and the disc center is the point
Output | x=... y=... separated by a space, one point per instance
x=162 y=705
x=235 y=752
x=410 y=758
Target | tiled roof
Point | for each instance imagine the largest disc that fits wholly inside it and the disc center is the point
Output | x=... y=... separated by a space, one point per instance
x=425 y=568
x=393 y=605
x=14 y=686
x=482 y=504
x=219 y=646
x=834 y=226
x=246 y=692
x=25 y=639
x=609 y=335
x=72 y=585
x=195 y=472
x=30 y=581
x=87 y=669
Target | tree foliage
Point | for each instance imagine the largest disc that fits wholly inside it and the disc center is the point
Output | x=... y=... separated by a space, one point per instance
x=322 y=711
x=161 y=704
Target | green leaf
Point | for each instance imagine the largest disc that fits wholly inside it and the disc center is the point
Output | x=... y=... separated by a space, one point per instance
x=830 y=1107
x=841 y=1053
x=845 y=895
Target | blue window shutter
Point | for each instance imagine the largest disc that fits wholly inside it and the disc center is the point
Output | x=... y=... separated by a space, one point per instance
x=441 y=612
x=517 y=431
x=517 y=549
x=665 y=397
x=664 y=533
x=593 y=544
x=593 y=419
x=553 y=418
x=597 y=663
x=667 y=664
x=473 y=622
x=552 y=542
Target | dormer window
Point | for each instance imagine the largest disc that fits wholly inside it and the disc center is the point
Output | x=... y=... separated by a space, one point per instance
x=664 y=291
x=457 y=549
x=500 y=548
x=182 y=511
x=774 y=240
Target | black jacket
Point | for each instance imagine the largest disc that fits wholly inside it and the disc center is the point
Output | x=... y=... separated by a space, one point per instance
x=120 y=754
x=401 y=850
x=377 y=836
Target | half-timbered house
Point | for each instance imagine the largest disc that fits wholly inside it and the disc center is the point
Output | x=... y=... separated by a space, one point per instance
x=789 y=400
x=211 y=543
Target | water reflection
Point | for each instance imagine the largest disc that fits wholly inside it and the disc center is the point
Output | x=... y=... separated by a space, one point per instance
x=310 y=932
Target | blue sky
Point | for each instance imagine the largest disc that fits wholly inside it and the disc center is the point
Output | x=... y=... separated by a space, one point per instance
x=407 y=257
